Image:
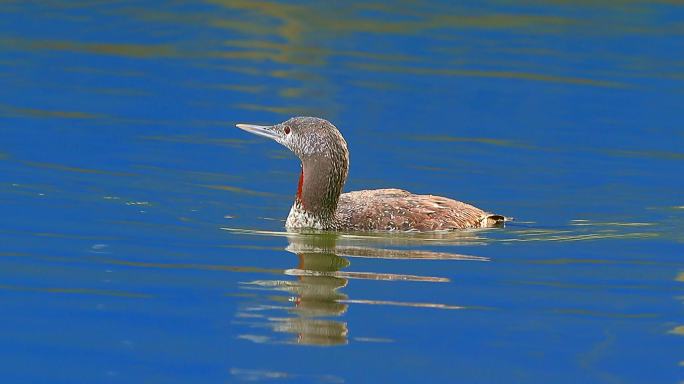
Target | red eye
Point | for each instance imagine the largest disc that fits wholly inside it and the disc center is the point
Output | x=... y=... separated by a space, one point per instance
x=287 y=130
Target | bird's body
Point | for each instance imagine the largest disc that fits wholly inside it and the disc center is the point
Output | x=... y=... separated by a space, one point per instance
x=319 y=203
x=395 y=210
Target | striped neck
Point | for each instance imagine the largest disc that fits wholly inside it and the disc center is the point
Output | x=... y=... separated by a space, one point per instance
x=320 y=184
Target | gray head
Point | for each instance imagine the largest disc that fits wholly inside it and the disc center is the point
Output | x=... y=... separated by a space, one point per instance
x=304 y=136
x=324 y=155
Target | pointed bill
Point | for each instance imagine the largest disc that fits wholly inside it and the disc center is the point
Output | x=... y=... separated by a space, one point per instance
x=261 y=130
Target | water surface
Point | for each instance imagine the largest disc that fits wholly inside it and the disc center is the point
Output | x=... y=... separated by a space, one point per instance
x=142 y=234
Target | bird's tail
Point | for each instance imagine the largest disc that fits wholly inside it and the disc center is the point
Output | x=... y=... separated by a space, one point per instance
x=492 y=220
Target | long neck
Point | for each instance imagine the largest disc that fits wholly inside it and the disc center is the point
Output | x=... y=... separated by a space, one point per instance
x=321 y=182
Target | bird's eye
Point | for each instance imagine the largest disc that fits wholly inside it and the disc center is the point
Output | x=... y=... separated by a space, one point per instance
x=287 y=130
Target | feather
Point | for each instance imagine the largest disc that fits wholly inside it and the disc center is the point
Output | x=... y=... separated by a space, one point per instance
x=397 y=209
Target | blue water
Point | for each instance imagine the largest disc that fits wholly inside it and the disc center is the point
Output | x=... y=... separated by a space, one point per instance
x=141 y=234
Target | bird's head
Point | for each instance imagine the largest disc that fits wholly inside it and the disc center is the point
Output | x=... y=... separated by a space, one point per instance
x=306 y=137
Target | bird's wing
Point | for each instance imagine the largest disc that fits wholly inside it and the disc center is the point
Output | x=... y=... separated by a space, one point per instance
x=396 y=209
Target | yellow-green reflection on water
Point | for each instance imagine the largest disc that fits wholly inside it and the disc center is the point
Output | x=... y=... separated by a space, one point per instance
x=230 y=188
x=125 y=50
x=196 y=139
x=76 y=291
x=478 y=140
x=67 y=168
x=12 y=111
x=486 y=74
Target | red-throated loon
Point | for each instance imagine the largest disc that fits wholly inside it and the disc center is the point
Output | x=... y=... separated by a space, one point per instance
x=320 y=203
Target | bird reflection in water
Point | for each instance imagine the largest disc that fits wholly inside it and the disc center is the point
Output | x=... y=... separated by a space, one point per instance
x=316 y=300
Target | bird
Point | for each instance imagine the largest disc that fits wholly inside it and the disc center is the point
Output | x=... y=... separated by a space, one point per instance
x=319 y=203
